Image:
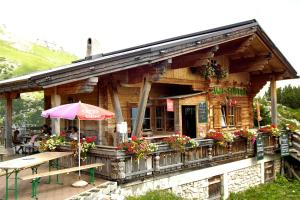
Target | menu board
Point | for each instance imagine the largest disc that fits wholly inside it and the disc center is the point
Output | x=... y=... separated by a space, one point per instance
x=202 y=112
x=284 y=144
x=259 y=147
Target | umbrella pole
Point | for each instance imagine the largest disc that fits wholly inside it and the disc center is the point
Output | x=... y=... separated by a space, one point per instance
x=79 y=147
x=79 y=183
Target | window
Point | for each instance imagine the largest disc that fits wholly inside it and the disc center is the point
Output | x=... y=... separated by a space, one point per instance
x=159 y=112
x=147 y=118
x=269 y=171
x=214 y=187
x=227 y=116
x=169 y=121
x=164 y=121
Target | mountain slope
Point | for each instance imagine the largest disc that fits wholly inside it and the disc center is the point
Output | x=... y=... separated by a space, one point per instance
x=26 y=57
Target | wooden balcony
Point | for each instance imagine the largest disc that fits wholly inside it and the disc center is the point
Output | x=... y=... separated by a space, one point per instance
x=123 y=168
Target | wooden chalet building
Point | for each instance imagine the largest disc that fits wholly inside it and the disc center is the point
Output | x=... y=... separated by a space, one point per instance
x=188 y=84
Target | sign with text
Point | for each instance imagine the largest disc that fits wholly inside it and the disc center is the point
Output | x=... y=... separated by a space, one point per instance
x=170 y=105
x=202 y=112
x=259 y=147
x=284 y=144
x=232 y=91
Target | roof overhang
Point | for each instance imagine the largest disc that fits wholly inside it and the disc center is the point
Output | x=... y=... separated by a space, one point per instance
x=144 y=55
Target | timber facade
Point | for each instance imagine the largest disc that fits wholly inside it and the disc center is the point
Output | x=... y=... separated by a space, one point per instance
x=162 y=88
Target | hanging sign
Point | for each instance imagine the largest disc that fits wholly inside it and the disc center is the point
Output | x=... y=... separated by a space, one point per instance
x=202 y=112
x=170 y=105
x=284 y=144
x=259 y=147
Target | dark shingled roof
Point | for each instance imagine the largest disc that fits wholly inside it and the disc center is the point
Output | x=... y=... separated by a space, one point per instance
x=111 y=62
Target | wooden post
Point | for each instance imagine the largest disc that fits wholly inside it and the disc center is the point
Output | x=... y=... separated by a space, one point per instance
x=273 y=101
x=145 y=90
x=101 y=94
x=117 y=108
x=8 y=121
x=55 y=123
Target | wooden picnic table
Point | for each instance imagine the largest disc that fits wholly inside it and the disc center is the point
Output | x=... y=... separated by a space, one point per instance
x=14 y=166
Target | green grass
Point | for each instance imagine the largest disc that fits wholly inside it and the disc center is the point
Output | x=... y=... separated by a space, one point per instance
x=156 y=195
x=281 y=189
x=35 y=59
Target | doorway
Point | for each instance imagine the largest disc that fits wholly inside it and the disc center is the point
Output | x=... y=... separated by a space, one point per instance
x=189 y=121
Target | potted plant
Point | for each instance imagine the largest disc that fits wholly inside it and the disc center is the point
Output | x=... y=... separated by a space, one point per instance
x=180 y=142
x=138 y=147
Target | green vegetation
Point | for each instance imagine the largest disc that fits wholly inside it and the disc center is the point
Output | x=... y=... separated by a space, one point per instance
x=279 y=189
x=26 y=110
x=19 y=57
x=288 y=107
x=156 y=195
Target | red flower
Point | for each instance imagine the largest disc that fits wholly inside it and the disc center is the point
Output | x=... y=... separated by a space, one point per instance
x=177 y=133
x=133 y=138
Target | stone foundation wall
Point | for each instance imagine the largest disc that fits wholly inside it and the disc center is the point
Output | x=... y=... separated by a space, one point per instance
x=193 y=190
x=235 y=176
x=242 y=179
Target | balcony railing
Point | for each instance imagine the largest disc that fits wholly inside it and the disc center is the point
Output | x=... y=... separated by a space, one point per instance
x=121 y=167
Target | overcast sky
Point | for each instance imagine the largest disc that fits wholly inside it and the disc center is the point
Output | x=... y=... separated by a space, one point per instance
x=121 y=24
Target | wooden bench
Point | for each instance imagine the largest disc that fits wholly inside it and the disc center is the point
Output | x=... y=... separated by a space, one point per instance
x=36 y=177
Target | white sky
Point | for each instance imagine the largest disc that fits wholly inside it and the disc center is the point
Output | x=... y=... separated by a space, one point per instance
x=121 y=24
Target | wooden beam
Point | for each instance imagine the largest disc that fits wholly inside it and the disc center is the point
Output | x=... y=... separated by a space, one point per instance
x=117 y=108
x=195 y=59
x=8 y=121
x=144 y=94
x=55 y=123
x=238 y=48
x=116 y=102
x=245 y=45
x=249 y=64
x=100 y=122
x=273 y=101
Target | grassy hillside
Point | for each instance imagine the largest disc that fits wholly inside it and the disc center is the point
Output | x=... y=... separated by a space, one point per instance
x=286 y=115
x=28 y=57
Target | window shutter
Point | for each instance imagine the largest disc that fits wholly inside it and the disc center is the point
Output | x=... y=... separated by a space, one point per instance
x=238 y=116
x=217 y=116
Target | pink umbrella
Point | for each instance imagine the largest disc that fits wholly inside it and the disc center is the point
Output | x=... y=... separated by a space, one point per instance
x=80 y=110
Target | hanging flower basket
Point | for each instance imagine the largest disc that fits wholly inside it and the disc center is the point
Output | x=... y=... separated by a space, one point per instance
x=213 y=70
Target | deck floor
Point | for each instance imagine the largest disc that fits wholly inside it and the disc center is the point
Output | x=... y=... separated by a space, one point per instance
x=47 y=191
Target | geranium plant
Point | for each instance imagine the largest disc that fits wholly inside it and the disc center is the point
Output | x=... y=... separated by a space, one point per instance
x=52 y=143
x=271 y=129
x=86 y=144
x=138 y=147
x=222 y=138
x=248 y=134
x=179 y=142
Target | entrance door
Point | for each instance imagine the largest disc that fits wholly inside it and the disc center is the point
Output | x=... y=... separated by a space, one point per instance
x=189 y=121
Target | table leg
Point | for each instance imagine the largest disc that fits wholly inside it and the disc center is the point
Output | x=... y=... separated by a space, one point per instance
x=6 y=184
x=49 y=177
x=34 y=185
x=16 y=185
x=57 y=176
x=92 y=175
